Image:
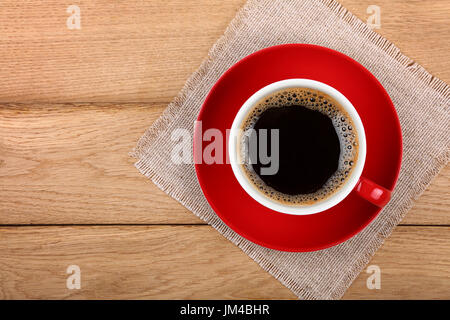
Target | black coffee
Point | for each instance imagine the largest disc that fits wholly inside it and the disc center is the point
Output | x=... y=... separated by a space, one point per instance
x=300 y=129
x=317 y=145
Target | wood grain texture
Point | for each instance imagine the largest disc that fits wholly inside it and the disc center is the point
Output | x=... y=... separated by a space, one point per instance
x=125 y=51
x=129 y=51
x=69 y=164
x=193 y=262
x=414 y=264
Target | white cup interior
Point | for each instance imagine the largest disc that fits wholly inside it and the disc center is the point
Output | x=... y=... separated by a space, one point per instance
x=259 y=196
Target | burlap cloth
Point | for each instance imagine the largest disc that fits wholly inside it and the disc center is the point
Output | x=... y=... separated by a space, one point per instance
x=422 y=102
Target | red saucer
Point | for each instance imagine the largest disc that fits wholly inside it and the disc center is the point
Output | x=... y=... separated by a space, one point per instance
x=286 y=232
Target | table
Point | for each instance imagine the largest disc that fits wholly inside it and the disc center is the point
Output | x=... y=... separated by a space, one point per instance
x=73 y=102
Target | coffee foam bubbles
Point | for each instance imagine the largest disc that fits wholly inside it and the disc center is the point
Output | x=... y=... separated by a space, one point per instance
x=342 y=122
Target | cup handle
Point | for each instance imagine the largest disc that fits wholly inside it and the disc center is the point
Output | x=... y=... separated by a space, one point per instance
x=372 y=192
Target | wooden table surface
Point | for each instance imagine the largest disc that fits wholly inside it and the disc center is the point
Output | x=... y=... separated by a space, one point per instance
x=74 y=102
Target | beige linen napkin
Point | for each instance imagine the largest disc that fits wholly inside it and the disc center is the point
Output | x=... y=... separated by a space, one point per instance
x=422 y=102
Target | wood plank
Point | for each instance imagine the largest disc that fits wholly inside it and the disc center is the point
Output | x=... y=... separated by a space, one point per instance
x=125 y=51
x=145 y=50
x=414 y=264
x=69 y=164
x=194 y=262
x=409 y=24
x=433 y=206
